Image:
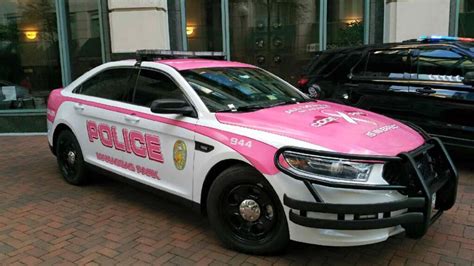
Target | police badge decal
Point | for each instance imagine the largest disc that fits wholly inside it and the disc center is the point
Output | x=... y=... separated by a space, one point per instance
x=179 y=154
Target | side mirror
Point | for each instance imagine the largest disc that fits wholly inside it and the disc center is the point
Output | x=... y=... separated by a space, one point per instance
x=171 y=106
x=469 y=78
x=315 y=91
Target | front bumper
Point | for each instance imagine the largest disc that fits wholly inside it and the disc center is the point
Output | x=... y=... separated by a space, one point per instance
x=428 y=193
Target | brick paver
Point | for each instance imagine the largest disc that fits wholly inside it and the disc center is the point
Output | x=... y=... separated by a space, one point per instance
x=45 y=221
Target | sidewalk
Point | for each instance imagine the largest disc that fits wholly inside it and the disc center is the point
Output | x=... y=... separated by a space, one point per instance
x=43 y=220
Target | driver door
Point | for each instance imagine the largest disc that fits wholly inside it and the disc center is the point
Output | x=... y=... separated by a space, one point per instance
x=381 y=83
x=443 y=103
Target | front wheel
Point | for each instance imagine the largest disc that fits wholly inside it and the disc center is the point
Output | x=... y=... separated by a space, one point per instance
x=246 y=213
x=70 y=160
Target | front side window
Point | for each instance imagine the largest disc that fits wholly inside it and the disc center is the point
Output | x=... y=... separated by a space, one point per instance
x=153 y=85
x=441 y=64
x=234 y=89
x=391 y=64
x=112 y=84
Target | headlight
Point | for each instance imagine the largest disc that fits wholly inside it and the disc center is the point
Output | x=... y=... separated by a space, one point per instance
x=327 y=167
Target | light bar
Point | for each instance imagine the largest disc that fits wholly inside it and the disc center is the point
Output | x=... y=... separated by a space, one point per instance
x=156 y=54
x=444 y=38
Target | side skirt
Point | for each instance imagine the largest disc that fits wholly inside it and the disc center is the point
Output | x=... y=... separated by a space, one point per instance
x=195 y=207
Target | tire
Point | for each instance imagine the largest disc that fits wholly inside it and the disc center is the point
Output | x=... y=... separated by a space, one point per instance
x=261 y=230
x=70 y=160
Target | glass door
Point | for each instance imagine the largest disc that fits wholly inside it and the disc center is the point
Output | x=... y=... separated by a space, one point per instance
x=280 y=36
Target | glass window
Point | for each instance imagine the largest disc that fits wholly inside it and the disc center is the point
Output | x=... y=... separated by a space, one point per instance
x=232 y=88
x=394 y=64
x=84 y=30
x=153 y=85
x=113 y=84
x=433 y=63
x=279 y=36
x=338 y=63
x=29 y=55
x=204 y=25
x=376 y=21
x=345 y=23
x=320 y=64
x=466 y=18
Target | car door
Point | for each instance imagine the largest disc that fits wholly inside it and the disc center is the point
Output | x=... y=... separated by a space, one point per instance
x=443 y=103
x=380 y=83
x=164 y=143
x=98 y=123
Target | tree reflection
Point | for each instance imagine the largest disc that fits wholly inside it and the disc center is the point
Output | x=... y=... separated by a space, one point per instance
x=40 y=14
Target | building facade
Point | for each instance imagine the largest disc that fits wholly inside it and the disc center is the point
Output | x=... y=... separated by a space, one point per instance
x=45 y=44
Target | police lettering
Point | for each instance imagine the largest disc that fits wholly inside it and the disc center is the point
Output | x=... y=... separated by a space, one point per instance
x=133 y=141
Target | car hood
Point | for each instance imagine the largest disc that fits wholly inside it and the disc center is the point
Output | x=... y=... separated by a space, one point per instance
x=333 y=126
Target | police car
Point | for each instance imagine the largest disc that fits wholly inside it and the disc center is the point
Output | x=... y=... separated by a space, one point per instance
x=265 y=163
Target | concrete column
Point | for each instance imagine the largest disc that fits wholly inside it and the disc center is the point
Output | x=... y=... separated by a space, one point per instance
x=409 y=19
x=138 y=24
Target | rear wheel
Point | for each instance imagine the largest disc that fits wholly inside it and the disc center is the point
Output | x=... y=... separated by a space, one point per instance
x=70 y=160
x=246 y=213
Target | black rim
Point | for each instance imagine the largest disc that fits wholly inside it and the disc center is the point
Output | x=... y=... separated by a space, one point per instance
x=68 y=166
x=243 y=229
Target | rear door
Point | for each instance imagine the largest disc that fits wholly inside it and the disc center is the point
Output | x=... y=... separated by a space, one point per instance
x=97 y=120
x=380 y=82
x=443 y=104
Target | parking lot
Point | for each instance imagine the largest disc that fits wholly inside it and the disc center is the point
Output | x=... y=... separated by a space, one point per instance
x=43 y=220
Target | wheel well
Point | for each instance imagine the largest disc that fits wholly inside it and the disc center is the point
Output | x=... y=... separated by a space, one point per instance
x=59 y=129
x=212 y=175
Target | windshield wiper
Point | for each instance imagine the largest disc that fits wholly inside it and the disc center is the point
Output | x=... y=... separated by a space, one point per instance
x=281 y=103
x=245 y=108
x=289 y=102
x=250 y=108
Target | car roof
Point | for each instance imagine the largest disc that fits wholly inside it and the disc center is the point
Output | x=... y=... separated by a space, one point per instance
x=196 y=63
x=467 y=46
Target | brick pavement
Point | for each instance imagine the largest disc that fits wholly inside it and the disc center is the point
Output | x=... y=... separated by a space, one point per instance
x=45 y=221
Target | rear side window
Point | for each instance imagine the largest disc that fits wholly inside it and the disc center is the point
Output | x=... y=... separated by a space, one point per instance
x=345 y=66
x=153 y=85
x=325 y=63
x=111 y=84
x=434 y=64
x=331 y=64
x=392 y=64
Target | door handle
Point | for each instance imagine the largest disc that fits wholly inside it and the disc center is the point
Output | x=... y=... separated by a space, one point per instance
x=79 y=107
x=132 y=118
x=426 y=90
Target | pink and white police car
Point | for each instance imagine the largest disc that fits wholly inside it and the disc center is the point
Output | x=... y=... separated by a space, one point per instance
x=265 y=163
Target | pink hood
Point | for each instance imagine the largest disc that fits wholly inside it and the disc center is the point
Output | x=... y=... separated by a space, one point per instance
x=336 y=127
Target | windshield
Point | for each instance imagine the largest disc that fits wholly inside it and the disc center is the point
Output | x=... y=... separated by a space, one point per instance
x=240 y=89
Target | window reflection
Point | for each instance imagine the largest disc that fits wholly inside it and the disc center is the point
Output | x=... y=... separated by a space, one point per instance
x=280 y=36
x=203 y=25
x=466 y=18
x=345 y=23
x=84 y=30
x=29 y=55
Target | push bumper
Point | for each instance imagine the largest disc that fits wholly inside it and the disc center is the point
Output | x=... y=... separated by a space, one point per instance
x=428 y=193
x=358 y=211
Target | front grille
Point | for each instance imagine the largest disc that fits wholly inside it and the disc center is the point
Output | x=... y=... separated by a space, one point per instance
x=400 y=173
x=431 y=164
x=425 y=164
x=433 y=167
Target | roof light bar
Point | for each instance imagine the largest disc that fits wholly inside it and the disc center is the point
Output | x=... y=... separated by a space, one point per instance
x=444 y=38
x=157 y=54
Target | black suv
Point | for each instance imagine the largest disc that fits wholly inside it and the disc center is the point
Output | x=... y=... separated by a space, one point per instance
x=428 y=82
